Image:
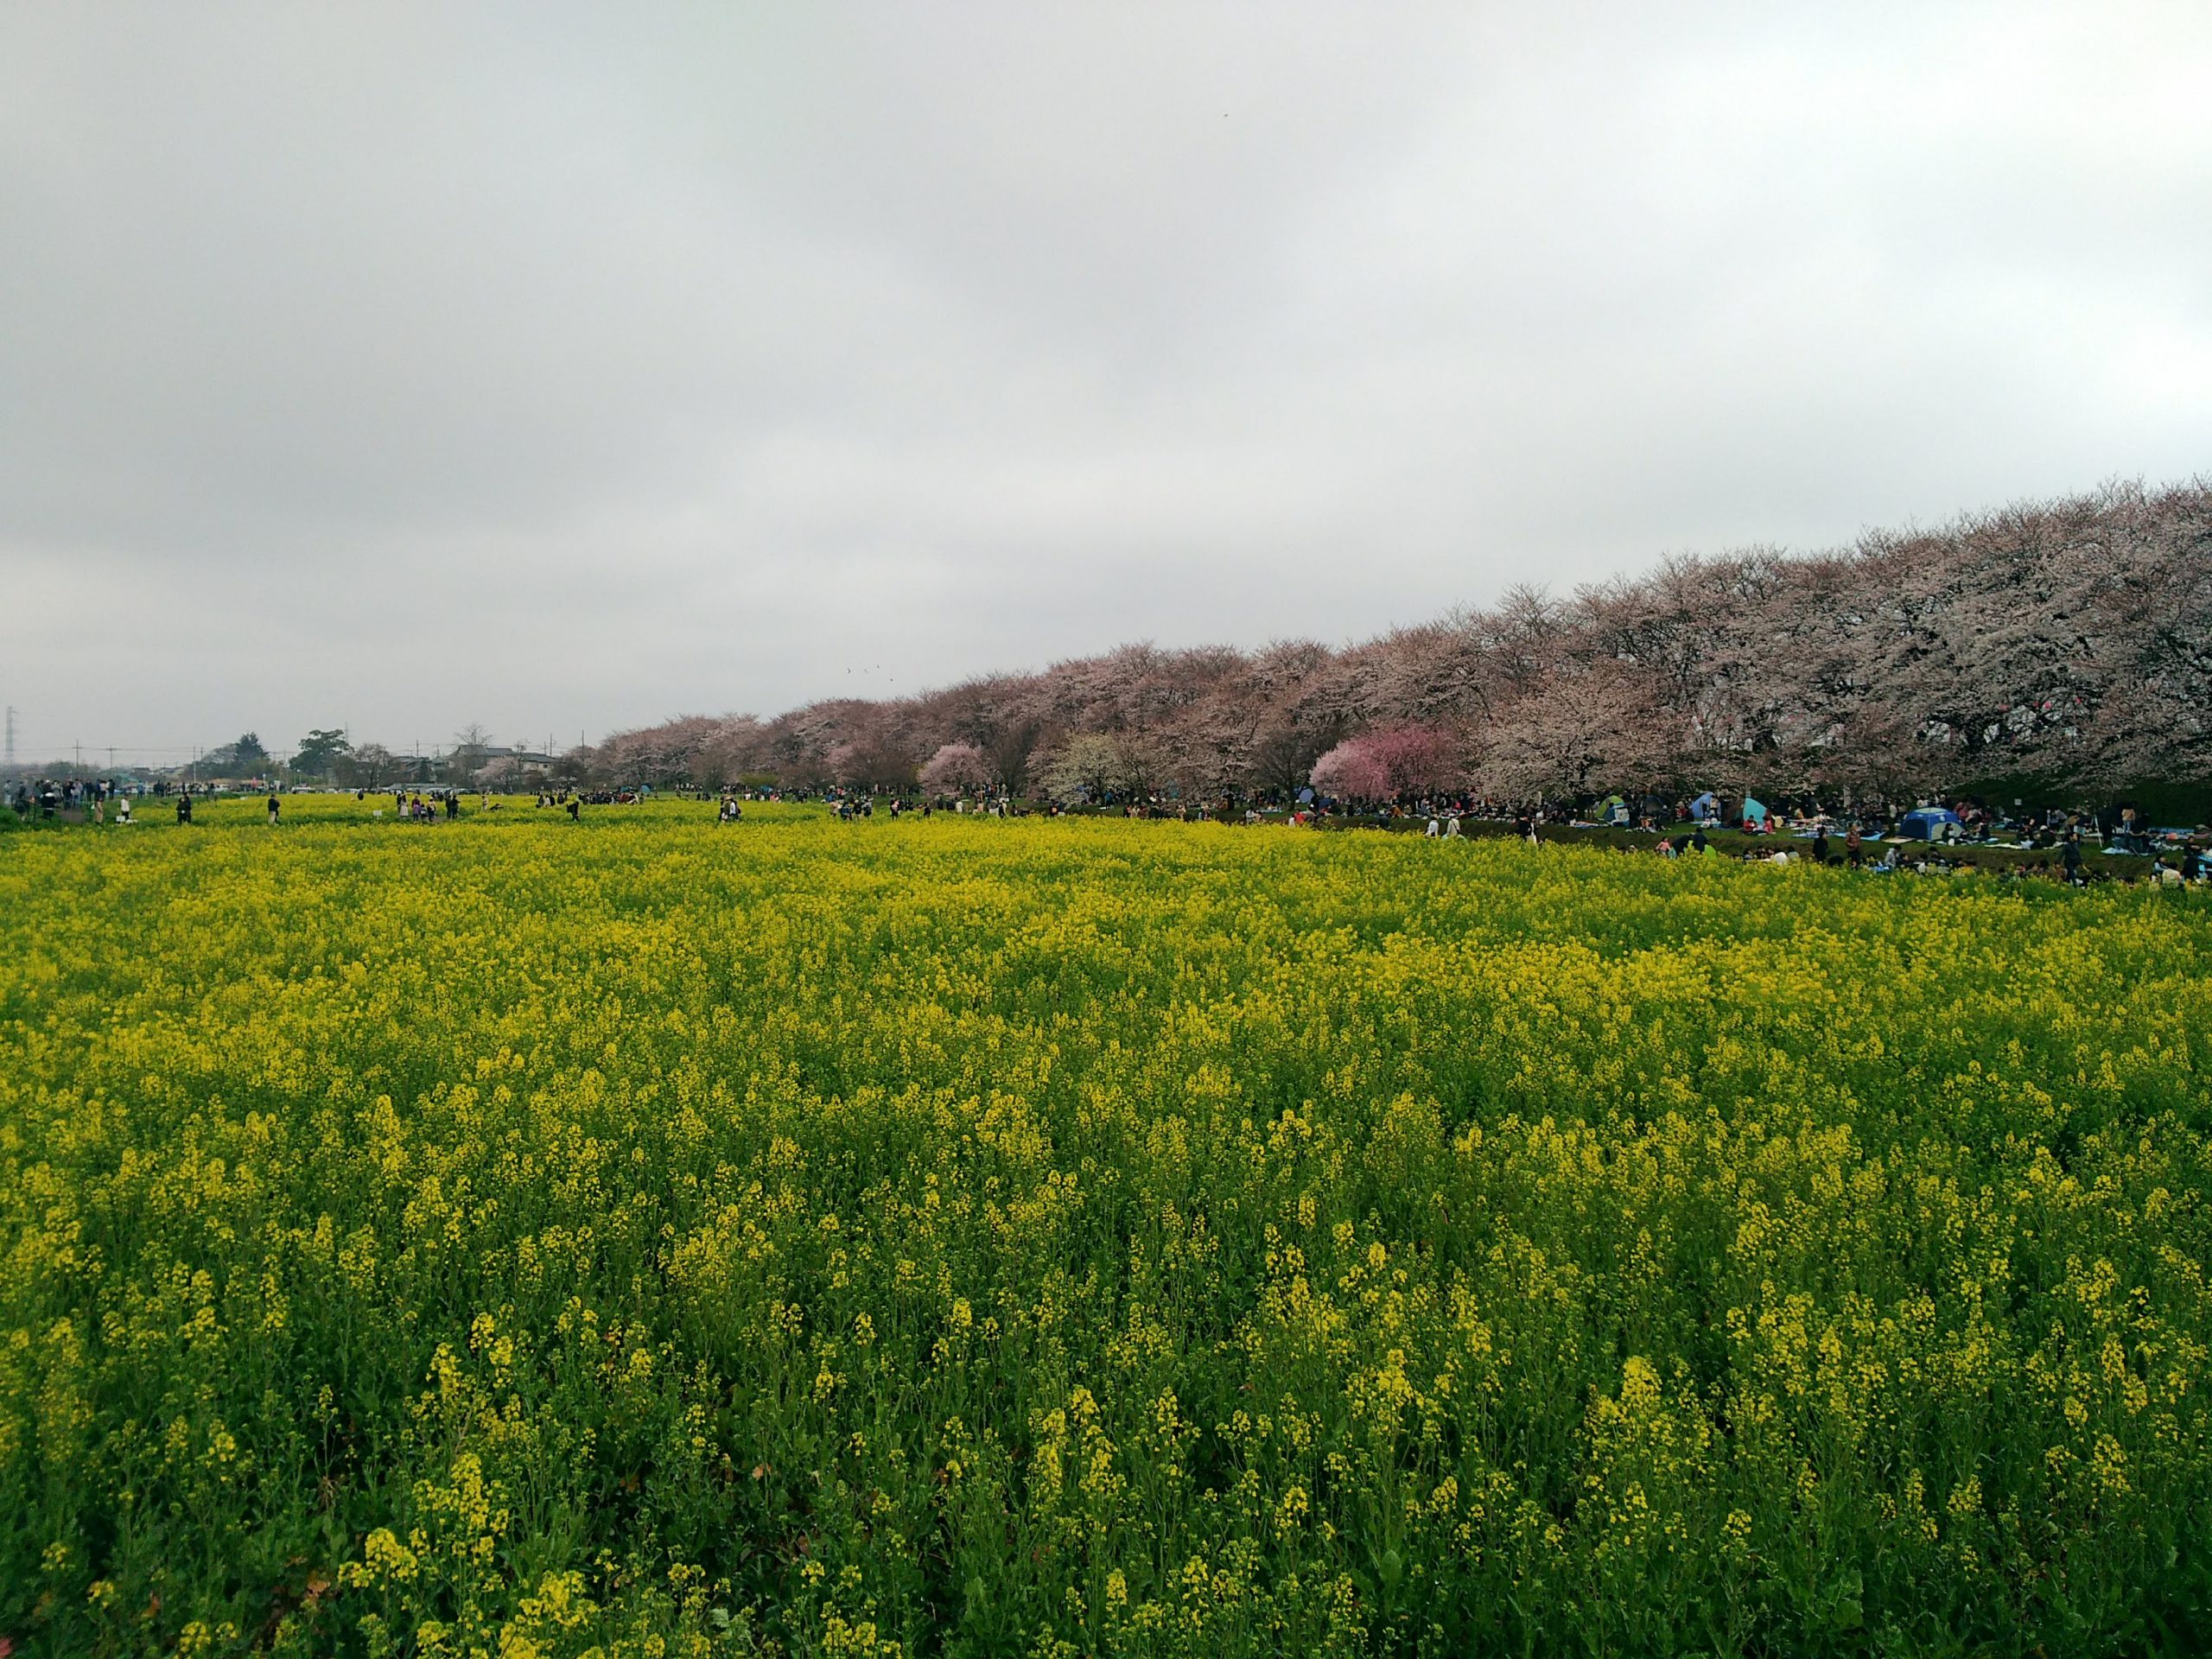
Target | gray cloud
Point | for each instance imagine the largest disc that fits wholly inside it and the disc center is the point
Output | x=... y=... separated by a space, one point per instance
x=565 y=368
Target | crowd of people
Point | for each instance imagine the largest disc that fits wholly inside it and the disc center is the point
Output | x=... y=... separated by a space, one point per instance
x=2189 y=864
x=1880 y=837
x=1871 y=843
x=94 y=798
x=409 y=807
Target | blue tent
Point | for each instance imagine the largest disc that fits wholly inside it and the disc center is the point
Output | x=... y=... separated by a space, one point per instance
x=1931 y=824
x=1706 y=805
x=1754 y=811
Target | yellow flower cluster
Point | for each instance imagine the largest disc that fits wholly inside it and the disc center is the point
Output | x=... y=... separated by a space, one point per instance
x=639 y=1237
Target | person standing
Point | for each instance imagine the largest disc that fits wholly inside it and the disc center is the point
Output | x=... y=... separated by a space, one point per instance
x=2070 y=855
x=274 y=808
x=1820 y=845
x=1854 y=847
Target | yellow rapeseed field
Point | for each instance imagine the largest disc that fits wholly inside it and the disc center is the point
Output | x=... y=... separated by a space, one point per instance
x=517 y=1237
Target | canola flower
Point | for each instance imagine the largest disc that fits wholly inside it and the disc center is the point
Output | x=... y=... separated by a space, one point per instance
x=646 y=1237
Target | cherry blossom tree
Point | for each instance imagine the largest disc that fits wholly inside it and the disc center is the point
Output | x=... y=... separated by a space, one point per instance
x=1352 y=772
x=2067 y=642
x=1088 y=767
x=1398 y=760
x=956 y=769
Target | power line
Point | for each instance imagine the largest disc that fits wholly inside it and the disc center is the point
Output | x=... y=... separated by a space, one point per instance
x=140 y=748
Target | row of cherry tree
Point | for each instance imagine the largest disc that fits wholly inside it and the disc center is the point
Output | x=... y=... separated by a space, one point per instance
x=2068 y=642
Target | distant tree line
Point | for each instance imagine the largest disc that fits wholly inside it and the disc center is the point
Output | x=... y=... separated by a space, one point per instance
x=326 y=756
x=2065 y=645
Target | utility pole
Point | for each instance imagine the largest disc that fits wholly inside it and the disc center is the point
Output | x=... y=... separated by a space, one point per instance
x=11 y=735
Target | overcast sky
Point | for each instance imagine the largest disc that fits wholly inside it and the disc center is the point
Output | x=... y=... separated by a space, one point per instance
x=563 y=368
